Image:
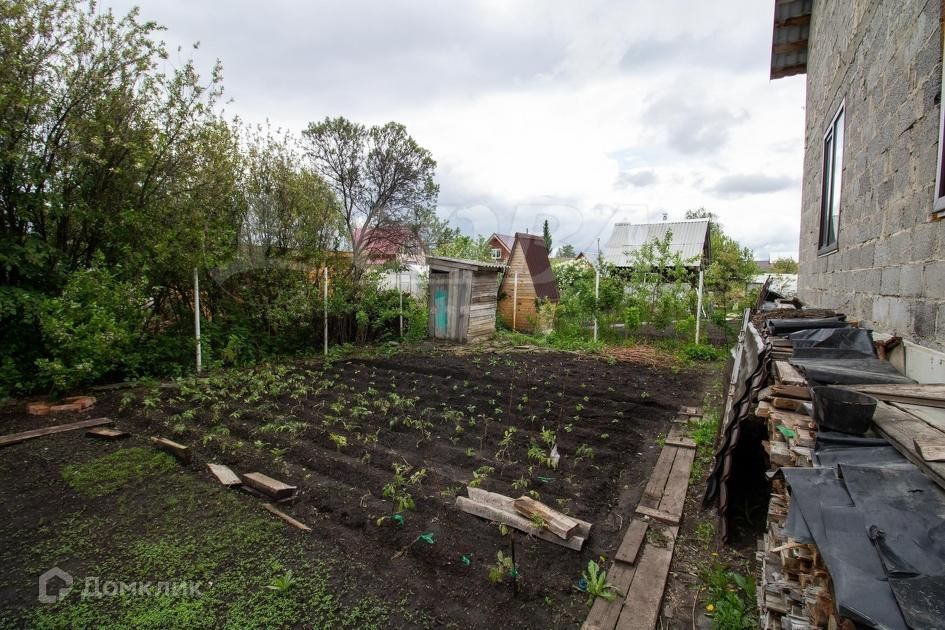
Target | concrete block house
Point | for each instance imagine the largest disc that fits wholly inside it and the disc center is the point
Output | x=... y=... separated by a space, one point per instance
x=872 y=241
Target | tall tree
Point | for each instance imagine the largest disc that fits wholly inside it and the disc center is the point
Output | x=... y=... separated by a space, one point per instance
x=566 y=251
x=784 y=265
x=546 y=232
x=381 y=176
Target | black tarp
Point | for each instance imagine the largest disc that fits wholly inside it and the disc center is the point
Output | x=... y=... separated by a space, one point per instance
x=834 y=366
x=788 y=326
x=859 y=339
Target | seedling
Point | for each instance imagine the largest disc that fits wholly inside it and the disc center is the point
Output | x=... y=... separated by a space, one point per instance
x=479 y=475
x=503 y=567
x=283 y=582
x=340 y=441
x=399 y=487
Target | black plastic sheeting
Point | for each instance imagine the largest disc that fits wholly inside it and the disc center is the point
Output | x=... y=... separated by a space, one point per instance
x=879 y=524
x=830 y=366
x=788 y=326
x=858 y=339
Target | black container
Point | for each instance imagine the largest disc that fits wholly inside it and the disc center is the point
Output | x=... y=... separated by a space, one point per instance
x=843 y=410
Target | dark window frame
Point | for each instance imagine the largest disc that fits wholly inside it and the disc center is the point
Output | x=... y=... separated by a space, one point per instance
x=832 y=184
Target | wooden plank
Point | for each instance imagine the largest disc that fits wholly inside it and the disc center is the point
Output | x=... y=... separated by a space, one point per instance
x=285 y=517
x=790 y=419
x=788 y=375
x=641 y=607
x=16 y=438
x=268 y=486
x=681 y=442
x=632 y=541
x=658 y=478
x=659 y=515
x=179 y=451
x=225 y=475
x=604 y=614
x=932 y=416
x=561 y=525
x=932 y=395
x=930 y=450
x=674 y=495
x=690 y=411
x=791 y=391
x=104 y=433
x=790 y=404
x=512 y=519
x=902 y=429
x=763 y=410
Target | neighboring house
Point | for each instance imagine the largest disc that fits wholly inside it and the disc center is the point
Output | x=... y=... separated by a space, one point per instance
x=501 y=247
x=528 y=282
x=872 y=243
x=690 y=239
x=784 y=284
x=763 y=265
x=387 y=244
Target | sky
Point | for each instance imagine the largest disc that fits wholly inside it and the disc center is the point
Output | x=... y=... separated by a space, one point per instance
x=580 y=113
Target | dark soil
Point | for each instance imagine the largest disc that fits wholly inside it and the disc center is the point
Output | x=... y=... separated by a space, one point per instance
x=439 y=411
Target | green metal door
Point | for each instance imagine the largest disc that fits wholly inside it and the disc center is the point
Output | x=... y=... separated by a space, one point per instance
x=440 y=316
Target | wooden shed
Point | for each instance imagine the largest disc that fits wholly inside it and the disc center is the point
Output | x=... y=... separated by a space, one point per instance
x=528 y=280
x=462 y=298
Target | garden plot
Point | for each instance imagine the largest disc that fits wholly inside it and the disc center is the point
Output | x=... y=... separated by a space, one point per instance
x=380 y=447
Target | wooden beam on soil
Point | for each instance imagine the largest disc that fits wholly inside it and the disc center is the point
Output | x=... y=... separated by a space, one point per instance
x=604 y=614
x=498 y=508
x=659 y=515
x=268 y=486
x=561 y=525
x=104 y=433
x=285 y=517
x=225 y=475
x=16 y=438
x=632 y=541
x=676 y=437
x=179 y=451
x=657 y=481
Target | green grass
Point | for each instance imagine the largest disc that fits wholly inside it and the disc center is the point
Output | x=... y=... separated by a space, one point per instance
x=731 y=598
x=177 y=528
x=108 y=473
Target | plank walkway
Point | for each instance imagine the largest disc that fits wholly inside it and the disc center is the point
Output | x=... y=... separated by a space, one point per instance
x=641 y=564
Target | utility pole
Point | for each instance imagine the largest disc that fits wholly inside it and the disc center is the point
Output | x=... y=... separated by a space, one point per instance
x=197 y=316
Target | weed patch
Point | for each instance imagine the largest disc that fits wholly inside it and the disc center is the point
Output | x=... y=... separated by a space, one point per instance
x=108 y=473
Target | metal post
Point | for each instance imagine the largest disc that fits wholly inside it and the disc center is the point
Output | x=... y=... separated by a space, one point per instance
x=515 y=303
x=326 y=310
x=400 y=292
x=596 y=299
x=197 y=317
x=699 y=306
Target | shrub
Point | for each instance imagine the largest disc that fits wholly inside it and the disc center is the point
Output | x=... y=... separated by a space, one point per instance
x=703 y=352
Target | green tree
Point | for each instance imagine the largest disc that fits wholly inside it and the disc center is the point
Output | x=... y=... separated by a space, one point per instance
x=566 y=251
x=468 y=247
x=784 y=265
x=546 y=233
x=382 y=177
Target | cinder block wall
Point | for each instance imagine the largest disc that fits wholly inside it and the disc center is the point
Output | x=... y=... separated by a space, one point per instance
x=883 y=61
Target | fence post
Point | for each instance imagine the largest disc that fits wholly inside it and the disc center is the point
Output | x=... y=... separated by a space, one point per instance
x=596 y=299
x=326 y=310
x=515 y=303
x=197 y=317
x=699 y=307
x=400 y=292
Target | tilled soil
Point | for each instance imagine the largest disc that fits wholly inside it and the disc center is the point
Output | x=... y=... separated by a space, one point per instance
x=338 y=437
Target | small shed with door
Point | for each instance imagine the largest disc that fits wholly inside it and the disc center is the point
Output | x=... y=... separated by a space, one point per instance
x=528 y=282
x=462 y=298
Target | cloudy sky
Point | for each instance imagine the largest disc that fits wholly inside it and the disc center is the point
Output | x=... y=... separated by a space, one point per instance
x=583 y=113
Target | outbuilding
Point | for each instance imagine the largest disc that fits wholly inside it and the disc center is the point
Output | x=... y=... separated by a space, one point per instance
x=528 y=283
x=462 y=298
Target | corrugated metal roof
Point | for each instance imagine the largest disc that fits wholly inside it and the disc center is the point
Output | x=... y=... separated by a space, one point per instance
x=688 y=240
x=506 y=240
x=789 y=38
x=464 y=263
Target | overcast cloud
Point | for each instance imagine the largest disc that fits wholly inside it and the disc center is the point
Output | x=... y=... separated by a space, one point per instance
x=582 y=113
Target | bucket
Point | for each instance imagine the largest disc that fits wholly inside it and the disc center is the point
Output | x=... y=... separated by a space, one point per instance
x=843 y=410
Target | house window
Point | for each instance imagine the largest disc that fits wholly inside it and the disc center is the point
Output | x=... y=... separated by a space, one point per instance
x=833 y=177
x=496 y=253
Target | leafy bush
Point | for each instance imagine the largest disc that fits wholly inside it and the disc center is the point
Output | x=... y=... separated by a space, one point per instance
x=91 y=330
x=703 y=352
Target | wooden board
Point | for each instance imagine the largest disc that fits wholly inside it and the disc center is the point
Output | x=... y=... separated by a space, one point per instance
x=604 y=614
x=674 y=495
x=902 y=430
x=104 y=433
x=788 y=375
x=658 y=478
x=16 y=438
x=512 y=519
x=659 y=515
x=268 y=486
x=927 y=395
x=285 y=517
x=632 y=541
x=790 y=419
x=791 y=391
x=763 y=410
x=790 y=404
x=641 y=607
x=561 y=525
x=691 y=411
x=179 y=451
x=932 y=416
x=678 y=437
x=930 y=450
x=225 y=475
